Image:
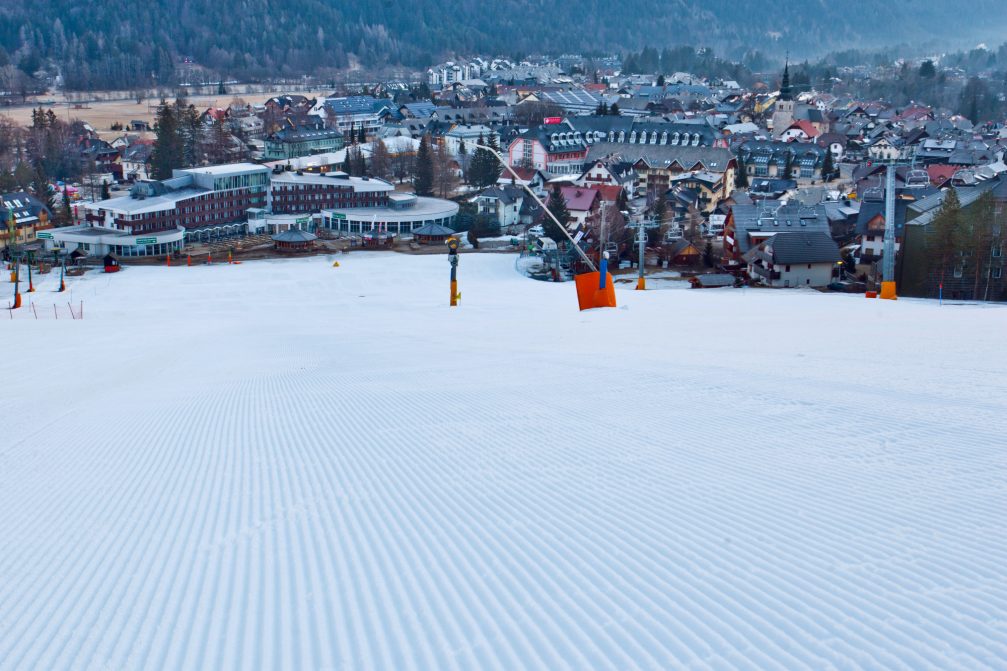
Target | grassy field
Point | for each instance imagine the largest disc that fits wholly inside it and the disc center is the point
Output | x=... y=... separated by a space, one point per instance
x=101 y=114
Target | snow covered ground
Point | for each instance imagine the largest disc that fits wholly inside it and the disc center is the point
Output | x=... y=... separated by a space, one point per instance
x=286 y=465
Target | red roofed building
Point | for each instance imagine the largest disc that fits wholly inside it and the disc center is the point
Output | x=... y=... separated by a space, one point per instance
x=940 y=175
x=800 y=131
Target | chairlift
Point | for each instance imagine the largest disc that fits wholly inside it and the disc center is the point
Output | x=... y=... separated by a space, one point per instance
x=917 y=178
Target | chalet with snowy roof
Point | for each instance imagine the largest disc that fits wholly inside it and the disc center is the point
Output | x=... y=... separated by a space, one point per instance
x=348 y=113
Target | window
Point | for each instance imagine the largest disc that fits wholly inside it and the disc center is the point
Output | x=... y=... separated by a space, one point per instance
x=998 y=272
x=958 y=271
x=788 y=268
x=997 y=252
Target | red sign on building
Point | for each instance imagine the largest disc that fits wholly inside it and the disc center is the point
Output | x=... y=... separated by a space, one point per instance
x=553 y=120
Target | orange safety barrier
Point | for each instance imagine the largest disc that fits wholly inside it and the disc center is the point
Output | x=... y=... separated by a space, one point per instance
x=589 y=295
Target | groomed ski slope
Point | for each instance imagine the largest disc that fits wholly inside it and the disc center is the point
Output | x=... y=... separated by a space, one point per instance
x=286 y=465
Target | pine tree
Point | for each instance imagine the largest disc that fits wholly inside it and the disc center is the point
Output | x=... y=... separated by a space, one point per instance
x=423 y=177
x=167 y=153
x=380 y=159
x=614 y=109
x=494 y=162
x=979 y=238
x=362 y=135
x=191 y=130
x=445 y=177
x=42 y=188
x=741 y=179
x=359 y=162
x=828 y=167
x=484 y=169
x=463 y=160
x=946 y=238
x=221 y=91
x=557 y=206
x=66 y=218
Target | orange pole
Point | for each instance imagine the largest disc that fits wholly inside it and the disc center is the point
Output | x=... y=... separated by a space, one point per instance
x=188 y=259
x=168 y=259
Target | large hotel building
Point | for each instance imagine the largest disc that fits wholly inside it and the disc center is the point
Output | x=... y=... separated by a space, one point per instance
x=210 y=203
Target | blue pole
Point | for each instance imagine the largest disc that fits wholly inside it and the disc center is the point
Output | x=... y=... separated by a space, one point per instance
x=603 y=270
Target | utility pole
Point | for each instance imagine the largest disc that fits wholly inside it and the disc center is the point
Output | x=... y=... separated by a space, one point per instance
x=888 y=259
x=641 y=238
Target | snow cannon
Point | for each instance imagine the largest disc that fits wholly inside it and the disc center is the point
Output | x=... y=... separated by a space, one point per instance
x=596 y=290
x=453 y=260
x=17 y=290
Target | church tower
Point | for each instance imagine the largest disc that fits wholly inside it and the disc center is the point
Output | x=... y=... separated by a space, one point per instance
x=783 y=112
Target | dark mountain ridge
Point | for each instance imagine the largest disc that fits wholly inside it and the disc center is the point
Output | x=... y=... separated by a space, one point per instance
x=114 y=42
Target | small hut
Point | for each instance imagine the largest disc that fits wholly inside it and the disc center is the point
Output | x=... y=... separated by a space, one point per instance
x=682 y=253
x=111 y=264
x=294 y=240
x=713 y=280
x=432 y=234
x=377 y=239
